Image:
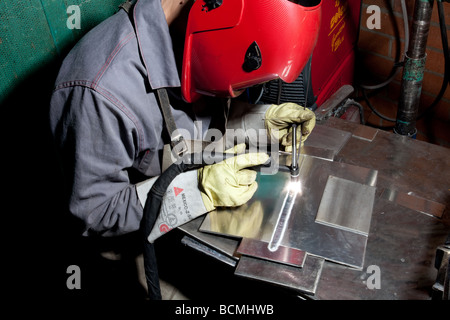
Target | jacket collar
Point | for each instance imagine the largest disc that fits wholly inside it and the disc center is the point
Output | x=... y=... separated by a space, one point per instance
x=155 y=44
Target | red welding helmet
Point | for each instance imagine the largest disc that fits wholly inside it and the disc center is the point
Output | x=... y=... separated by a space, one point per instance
x=235 y=44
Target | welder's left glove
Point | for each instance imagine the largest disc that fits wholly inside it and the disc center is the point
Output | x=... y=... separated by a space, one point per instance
x=230 y=183
x=279 y=120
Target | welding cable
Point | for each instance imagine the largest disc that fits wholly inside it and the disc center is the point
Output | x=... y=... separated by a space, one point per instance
x=446 y=50
x=375 y=110
x=395 y=71
x=360 y=107
x=443 y=28
x=261 y=92
x=399 y=63
x=151 y=211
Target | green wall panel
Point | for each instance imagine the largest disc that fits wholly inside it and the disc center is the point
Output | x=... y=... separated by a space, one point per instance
x=25 y=41
x=33 y=33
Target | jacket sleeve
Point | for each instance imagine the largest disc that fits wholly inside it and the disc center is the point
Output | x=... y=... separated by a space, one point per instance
x=98 y=142
x=245 y=123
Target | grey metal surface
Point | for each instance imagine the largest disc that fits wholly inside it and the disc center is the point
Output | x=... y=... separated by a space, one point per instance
x=402 y=245
x=338 y=207
x=323 y=137
x=365 y=133
x=261 y=213
x=283 y=216
x=223 y=245
x=414 y=202
x=208 y=250
x=326 y=109
x=323 y=142
x=403 y=164
x=402 y=240
x=302 y=280
x=260 y=249
x=327 y=154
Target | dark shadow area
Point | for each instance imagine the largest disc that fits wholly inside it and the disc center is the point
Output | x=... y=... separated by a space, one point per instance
x=43 y=239
x=202 y=278
x=40 y=233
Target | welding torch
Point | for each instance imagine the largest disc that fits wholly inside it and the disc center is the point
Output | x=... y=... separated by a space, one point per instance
x=295 y=169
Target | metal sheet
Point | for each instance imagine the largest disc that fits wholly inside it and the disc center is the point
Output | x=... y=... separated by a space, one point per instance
x=402 y=242
x=303 y=280
x=259 y=249
x=327 y=154
x=323 y=142
x=414 y=202
x=403 y=164
x=285 y=158
x=323 y=137
x=365 y=133
x=284 y=216
x=223 y=245
x=191 y=242
x=347 y=204
x=325 y=110
x=257 y=219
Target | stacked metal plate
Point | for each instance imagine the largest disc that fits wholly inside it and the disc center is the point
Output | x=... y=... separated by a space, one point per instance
x=286 y=235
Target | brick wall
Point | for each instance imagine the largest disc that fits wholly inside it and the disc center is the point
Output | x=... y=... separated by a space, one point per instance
x=378 y=49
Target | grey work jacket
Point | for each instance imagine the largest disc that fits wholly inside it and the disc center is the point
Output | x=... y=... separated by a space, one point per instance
x=106 y=120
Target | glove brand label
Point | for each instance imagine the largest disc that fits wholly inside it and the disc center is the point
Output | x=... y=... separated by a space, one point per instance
x=186 y=207
x=177 y=190
x=164 y=228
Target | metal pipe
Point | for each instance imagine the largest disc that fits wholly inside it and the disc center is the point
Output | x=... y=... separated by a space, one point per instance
x=413 y=70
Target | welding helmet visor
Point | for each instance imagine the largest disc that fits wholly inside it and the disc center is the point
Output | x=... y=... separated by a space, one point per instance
x=231 y=45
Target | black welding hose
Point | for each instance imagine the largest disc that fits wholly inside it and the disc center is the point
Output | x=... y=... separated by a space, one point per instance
x=443 y=28
x=382 y=116
x=151 y=212
x=397 y=64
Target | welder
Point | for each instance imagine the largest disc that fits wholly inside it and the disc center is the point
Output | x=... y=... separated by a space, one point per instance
x=157 y=65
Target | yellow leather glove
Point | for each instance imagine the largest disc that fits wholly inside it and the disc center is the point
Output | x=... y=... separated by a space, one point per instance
x=279 y=120
x=228 y=183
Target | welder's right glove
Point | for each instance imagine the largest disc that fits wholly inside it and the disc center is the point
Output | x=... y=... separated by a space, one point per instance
x=229 y=183
x=279 y=120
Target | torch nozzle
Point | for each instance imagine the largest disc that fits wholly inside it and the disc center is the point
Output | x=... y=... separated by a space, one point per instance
x=294 y=167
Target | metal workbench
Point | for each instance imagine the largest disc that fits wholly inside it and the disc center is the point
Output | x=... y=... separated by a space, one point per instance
x=409 y=221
